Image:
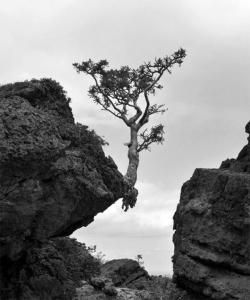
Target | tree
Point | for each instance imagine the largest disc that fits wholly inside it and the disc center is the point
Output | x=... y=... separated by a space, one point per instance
x=124 y=93
x=139 y=259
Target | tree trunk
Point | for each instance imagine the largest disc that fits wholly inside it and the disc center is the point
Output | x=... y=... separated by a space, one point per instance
x=133 y=156
x=130 y=177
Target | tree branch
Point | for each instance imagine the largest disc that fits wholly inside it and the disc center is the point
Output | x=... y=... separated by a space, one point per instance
x=154 y=136
x=144 y=118
x=122 y=115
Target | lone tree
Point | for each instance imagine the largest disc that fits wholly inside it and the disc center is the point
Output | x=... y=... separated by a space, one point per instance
x=125 y=94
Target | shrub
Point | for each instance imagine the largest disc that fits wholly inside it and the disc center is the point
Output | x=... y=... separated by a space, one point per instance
x=50 y=271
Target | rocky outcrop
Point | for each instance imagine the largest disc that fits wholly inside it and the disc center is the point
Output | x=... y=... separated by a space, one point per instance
x=54 y=176
x=126 y=272
x=88 y=292
x=49 y=270
x=120 y=279
x=212 y=231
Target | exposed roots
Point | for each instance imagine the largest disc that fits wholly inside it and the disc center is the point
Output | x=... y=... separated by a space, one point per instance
x=129 y=199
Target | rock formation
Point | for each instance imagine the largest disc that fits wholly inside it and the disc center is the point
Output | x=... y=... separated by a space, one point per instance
x=120 y=279
x=126 y=272
x=212 y=231
x=47 y=271
x=54 y=176
x=88 y=292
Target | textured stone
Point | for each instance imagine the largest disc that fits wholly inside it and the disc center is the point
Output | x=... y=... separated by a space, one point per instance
x=109 y=290
x=101 y=287
x=99 y=282
x=54 y=176
x=86 y=293
x=212 y=237
x=54 y=179
x=126 y=272
x=50 y=270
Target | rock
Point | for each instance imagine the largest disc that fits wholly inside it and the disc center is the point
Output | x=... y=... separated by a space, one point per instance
x=212 y=231
x=50 y=270
x=130 y=294
x=126 y=272
x=242 y=163
x=54 y=176
x=109 y=289
x=86 y=293
x=99 y=282
x=104 y=284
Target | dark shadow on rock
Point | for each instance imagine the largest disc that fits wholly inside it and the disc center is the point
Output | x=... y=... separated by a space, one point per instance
x=212 y=230
x=54 y=176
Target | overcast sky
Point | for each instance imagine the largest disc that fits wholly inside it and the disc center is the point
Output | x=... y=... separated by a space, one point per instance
x=207 y=98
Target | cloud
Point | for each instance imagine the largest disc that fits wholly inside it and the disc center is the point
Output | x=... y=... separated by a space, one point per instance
x=146 y=229
x=152 y=216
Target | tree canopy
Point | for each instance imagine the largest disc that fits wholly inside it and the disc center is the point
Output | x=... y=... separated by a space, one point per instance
x=125 y=93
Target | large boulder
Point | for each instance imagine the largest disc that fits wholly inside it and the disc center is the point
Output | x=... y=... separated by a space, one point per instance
x=126 y=272
x=48 y=271
x=54 y=176
x=212 y=231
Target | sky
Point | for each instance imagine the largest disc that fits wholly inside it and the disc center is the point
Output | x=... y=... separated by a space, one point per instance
x=207 y=98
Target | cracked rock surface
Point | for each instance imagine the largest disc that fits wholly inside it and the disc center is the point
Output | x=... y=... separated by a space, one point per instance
x=126 y=272
x=54 y=176
x=212 y=231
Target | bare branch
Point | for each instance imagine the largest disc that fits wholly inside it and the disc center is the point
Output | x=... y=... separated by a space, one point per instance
x=144 y=118
x=154 y=136
x=107 y=109
x=154 y=109
x=110 y=101
x=133 y=119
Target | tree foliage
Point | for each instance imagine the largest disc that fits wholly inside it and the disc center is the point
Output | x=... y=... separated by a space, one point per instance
x=117 y=90
x=125 y=93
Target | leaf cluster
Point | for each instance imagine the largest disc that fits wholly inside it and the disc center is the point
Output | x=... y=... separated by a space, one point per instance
x=118 y=90
x=155 y=135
